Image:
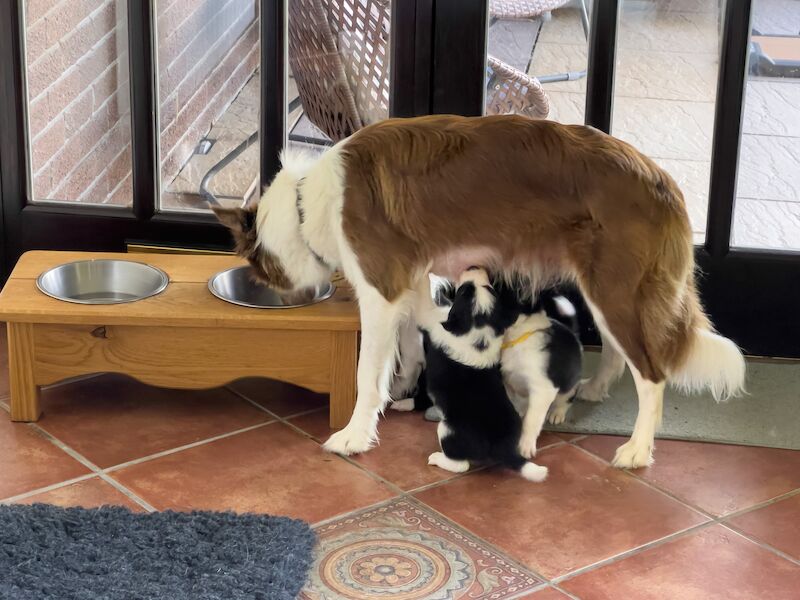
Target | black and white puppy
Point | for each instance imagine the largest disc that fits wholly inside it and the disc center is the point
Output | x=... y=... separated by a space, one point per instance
x=465 y=381
x=541 y=361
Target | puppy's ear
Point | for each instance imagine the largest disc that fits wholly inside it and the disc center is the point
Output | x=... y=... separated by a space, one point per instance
x=236 y=219
x=460 y=318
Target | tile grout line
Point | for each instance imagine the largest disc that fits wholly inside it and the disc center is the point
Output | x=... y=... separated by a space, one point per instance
x=91 y=466
x=634 y=551
x=651 y=485
x=723 y=520
x=175 y=450
x=48 y=488
x=129 y=493
x=764 y=545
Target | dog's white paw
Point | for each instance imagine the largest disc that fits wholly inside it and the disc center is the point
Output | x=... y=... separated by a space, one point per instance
x=533 y=472
x=559 y=413
x=590 y=391
x=438 y=459
x=632 y=455
x=527 y=446
x=405 y=405
x=350 y=440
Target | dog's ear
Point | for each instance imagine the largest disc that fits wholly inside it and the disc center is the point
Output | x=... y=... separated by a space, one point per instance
x=460 y=318
x=238 y=220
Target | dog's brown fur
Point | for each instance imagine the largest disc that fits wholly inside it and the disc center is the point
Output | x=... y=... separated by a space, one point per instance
x=241 y=222
x=562 y=201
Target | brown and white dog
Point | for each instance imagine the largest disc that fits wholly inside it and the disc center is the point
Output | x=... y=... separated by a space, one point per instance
x=530 y=199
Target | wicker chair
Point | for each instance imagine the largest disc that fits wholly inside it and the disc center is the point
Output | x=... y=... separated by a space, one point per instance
x=339 y=56
x=534 y=9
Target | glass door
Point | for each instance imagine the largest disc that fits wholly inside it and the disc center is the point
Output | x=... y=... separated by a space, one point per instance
x=124 y=121
x=707 y=88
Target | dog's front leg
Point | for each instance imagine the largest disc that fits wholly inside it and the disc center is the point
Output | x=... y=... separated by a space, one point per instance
x=380 y=322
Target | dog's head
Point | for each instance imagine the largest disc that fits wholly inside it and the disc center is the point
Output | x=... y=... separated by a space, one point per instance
x=476 y=305
x=268 y=234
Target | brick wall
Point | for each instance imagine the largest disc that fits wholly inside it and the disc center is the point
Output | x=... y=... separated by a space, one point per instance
x=79 y=107
x=208 y=49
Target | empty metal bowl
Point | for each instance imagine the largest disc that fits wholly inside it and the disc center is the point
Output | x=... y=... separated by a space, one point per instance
x=237 y=286
x=102 y=281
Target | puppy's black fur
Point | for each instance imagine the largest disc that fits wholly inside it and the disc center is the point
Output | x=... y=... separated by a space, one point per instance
x=480 y=423
x=564 y=348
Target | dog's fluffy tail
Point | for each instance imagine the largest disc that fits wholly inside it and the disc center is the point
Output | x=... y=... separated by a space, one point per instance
x=714 y=363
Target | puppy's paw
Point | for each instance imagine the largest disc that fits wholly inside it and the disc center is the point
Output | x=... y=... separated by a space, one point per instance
x=632 y=455
x=350 y=440
x=527 y=446
x=590 y=391
x=405 y=405
x=433 y=414
x=559 y=414
x=438 y=459
x=533 y=472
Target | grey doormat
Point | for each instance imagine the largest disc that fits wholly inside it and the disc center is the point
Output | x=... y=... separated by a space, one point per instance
x=48 y=552
x=768 y=416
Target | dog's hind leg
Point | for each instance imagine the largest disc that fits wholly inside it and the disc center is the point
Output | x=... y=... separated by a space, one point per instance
x=560 y=407
x=638 y=451
x=541 y=395
x=611 y=368
x=380 y=322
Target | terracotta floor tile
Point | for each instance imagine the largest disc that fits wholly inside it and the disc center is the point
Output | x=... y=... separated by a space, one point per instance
x=404 y=550
x=406 y=441
x=29 y=461
x=113 y=419
x=3 y=362
x=585 y=512
x=715 y=477
x=272 y=469
x=90 y=493
x=283 y=399
x=777 y=524
x=712 y=563
x=314 y=424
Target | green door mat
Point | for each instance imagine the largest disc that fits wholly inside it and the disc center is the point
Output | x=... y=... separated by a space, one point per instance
x=768 y=416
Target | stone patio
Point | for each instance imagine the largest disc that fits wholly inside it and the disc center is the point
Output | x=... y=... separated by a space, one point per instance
x=667 y=66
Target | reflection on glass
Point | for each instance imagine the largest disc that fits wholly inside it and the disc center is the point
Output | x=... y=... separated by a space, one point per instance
x=767 y=213
x=665 y=90
x=338 y=69
x=537 y=58
x=79 y=128
x=208 y=101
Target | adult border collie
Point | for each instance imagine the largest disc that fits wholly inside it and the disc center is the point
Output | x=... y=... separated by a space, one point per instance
x=528 y=199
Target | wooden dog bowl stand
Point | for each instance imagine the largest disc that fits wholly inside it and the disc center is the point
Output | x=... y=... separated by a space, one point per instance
x=182 y=338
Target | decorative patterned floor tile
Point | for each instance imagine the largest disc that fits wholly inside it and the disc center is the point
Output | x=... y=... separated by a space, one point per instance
x=404 y=550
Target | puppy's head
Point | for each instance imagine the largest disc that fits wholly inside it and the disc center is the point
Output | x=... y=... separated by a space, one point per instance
x=476 y=306
x=268 y=234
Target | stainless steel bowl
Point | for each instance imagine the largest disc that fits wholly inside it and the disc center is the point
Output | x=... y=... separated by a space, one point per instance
x=236 y=286
x=102 y=281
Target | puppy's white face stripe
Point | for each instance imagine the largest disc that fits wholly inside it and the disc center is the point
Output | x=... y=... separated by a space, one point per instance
x=484 y=298
x=464 y=348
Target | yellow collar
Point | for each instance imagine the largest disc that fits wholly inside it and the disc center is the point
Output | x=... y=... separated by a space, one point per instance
x=520 y=339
